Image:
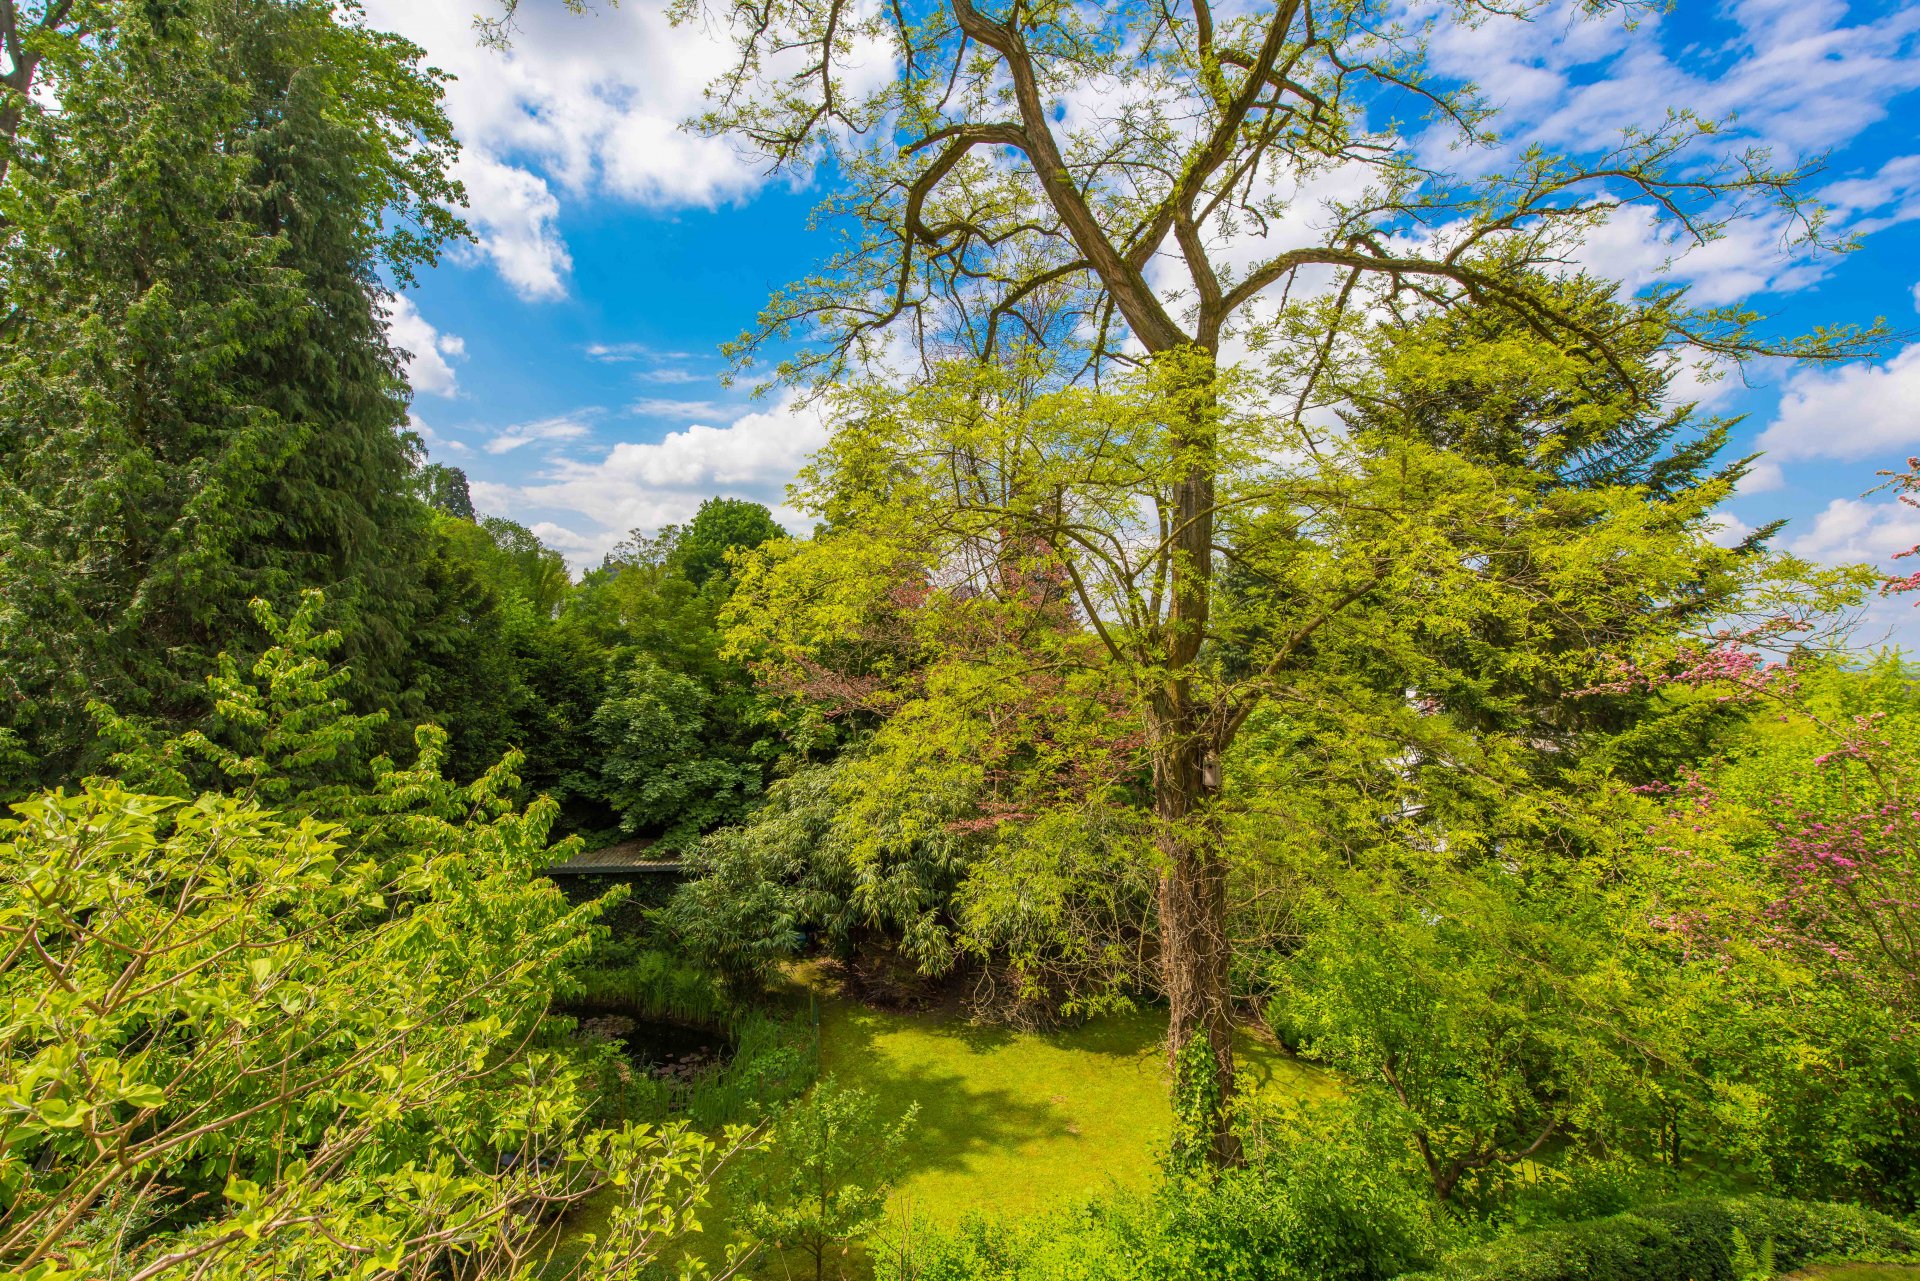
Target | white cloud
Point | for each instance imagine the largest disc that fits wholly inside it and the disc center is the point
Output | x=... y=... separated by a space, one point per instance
x=1634 y=247
x=1886 y=198
x=583 y=108
x=1763 y=477
x=1796 y=76
x=515 y=215
x=1857 y=411
x=662 y=407
x=646 y=485
x=577 y=107
x=1703 y=383
x=1726 y=529
x=567 y=541
x=435 y=441
x=663 y=369
x=425 y=350
x=1854 y=530
x=564 y=427
x=619 y=352
x=1797 y=73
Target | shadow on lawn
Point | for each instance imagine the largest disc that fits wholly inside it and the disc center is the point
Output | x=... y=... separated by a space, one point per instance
x=957 y=1119
x=1125 y=1036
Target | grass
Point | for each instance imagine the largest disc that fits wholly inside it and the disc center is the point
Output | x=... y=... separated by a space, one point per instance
x=1013 y=1122
x=1009 y=1122
x=1857 y=1272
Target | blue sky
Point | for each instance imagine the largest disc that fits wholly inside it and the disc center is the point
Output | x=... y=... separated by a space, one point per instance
x=569 y=362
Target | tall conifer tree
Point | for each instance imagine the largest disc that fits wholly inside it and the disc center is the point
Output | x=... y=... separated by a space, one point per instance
x=200 y=405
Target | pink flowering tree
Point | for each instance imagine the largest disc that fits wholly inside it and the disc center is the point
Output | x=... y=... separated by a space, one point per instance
x=1783 y=892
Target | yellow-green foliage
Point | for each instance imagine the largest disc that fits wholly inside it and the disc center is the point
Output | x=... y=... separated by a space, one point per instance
x=1019 y=1121
x=236 y=1040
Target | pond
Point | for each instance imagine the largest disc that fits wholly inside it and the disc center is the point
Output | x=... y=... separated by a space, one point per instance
x=670 y=1051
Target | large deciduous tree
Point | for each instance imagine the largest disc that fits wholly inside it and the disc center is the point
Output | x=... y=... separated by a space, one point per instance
x=1375 y=579
x=1147 y=184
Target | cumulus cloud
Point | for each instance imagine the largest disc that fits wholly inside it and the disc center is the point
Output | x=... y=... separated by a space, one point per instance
x=584 y=108
x=1869 y=531
x=576 y=107
x=1763 y=477
x=639 y=485
x=516 y=219
x=425 y=351
x=1854 y=530
x=569 y=542
x=1855 y=412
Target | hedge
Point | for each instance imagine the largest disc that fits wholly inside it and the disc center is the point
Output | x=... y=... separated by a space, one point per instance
x=1690 y=1240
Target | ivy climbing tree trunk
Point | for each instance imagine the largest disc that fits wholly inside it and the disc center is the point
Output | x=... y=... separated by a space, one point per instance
x=1194 y=947
x=1186 y=745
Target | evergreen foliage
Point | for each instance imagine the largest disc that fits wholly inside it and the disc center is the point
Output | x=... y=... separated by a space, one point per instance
x=444 y=489
x=200 y=405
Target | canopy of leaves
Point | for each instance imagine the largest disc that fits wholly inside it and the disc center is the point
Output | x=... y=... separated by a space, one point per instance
x=200 y=406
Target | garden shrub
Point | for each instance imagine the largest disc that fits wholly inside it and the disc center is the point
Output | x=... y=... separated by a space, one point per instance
x=774 y=1060
x=1687 y=1240
x=1325 y=1197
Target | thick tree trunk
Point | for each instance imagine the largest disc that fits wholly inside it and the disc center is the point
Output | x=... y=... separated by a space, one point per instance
x=1194 y=950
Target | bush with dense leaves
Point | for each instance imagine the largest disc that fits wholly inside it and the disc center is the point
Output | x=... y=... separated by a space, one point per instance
x=295 y=1026
x=1690 y=1240
x=1324 y=1197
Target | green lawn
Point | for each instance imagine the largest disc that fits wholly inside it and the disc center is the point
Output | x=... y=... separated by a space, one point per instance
x=1012 y=1121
